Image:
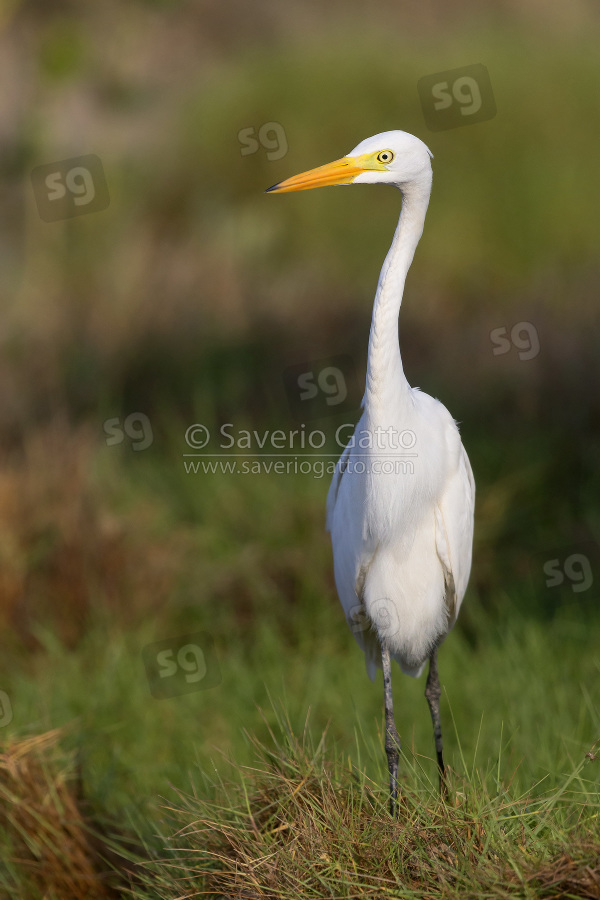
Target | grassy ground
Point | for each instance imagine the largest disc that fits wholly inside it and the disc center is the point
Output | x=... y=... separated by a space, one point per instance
x=519 y=707
x=184 y=301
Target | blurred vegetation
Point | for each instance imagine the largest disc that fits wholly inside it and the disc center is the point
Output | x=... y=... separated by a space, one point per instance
x=186 y=300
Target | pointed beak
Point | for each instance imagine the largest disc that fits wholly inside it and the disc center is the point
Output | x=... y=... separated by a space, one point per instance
x=342 y=171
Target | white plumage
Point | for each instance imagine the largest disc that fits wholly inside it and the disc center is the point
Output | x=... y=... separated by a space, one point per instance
x=401 y=526
x=401 y=540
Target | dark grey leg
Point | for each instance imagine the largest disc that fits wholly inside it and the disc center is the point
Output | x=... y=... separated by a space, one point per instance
x=392 y=738
x=433 y=693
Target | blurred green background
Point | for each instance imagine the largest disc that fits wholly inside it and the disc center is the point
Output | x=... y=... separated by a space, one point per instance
x=186 y=299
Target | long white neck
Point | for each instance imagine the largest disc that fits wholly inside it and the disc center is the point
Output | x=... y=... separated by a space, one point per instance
x=386 y=382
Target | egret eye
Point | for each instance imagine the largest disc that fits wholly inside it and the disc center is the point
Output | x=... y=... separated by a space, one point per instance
x=385 y=156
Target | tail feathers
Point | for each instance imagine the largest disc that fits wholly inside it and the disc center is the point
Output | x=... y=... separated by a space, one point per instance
x=371 y=667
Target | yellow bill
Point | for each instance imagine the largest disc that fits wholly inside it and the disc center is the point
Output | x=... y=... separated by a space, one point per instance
x=341 y=171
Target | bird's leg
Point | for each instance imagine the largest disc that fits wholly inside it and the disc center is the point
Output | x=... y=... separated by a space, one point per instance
x=433 y=693
x=392 y=738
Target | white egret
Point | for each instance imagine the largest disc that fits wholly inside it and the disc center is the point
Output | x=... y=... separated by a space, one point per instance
x=401 y=522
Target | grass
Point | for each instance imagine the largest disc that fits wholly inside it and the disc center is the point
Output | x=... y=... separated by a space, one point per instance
x=186 y=300
x=303 y=819
x=49 y=849
x=519 y=706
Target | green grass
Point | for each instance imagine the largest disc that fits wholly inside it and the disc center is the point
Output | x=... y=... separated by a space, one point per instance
x=247 y=559
x=187 y=299
x=304 y=820
x=519 y=704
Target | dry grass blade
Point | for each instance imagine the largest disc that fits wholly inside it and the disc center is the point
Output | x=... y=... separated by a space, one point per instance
x=565 y=876
x=62 y=548
x=49 y=842
x=304 y=823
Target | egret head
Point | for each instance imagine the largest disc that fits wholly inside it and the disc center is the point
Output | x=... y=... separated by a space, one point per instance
x=392 y=157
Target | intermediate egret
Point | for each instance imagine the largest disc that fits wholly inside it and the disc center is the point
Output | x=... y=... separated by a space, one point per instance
x=401 y=523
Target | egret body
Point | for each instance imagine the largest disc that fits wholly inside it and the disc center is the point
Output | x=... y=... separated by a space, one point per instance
x=401 y=526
